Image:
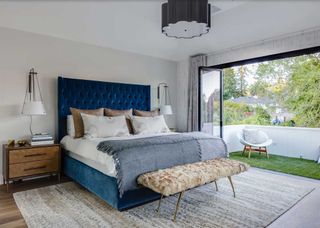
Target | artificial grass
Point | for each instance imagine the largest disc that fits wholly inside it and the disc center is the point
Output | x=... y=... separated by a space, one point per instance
x=295 y=166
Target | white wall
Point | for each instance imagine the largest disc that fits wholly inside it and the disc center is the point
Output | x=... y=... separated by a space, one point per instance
x=289 y=42
x=287 y=141
x=19 y=51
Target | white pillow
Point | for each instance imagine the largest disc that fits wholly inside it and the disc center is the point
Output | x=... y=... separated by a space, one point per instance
x=103 y=126
x=149 y=125
x=254 y=136
x=70 y=126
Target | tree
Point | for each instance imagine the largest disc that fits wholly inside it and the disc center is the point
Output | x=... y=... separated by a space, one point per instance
x=235 y=113
x=304 y=92
x=230 y=84
x=235 y=84
x=259 y=88
x=242 y=73
x=263 y=117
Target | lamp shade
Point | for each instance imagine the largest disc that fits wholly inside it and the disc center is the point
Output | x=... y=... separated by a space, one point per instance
x=166 y=110
x=186 y=18
x=33 y=108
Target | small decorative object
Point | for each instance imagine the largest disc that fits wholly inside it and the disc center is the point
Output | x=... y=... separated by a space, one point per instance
x=172 y=129
x=33 y=102
x=22 y=142
x=164 y=102
x=11 y=142
x=186 y=18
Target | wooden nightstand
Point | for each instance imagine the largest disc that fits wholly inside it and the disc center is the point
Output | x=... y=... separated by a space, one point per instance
x=30 y=161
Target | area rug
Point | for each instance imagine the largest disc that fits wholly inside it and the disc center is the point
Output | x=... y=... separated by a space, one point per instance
x=261 y=197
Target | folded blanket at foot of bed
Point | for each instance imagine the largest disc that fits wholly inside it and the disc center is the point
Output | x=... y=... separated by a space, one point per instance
x=134 y=157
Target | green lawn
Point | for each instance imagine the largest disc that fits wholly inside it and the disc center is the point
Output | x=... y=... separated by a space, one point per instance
x=295 y=166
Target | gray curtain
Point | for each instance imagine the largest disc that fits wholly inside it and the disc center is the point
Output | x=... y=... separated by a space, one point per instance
x=193 y=90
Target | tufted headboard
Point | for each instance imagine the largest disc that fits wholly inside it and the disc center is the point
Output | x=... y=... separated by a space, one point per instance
x=86 y=94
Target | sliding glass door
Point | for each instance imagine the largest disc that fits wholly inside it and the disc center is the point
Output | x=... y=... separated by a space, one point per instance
x=210 y=101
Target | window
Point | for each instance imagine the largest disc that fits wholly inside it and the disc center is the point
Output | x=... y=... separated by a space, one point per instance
x=283 y=92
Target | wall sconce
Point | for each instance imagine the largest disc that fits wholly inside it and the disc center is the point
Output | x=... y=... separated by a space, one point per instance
x=33 y=102
x=164 y=103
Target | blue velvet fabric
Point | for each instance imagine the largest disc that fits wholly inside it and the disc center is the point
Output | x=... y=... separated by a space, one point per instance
x=86 y=94
x=105 y=186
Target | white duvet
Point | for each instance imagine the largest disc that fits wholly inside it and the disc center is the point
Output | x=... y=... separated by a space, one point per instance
x=85 y=150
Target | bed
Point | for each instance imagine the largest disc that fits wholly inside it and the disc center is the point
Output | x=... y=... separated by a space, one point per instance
x=82 y=162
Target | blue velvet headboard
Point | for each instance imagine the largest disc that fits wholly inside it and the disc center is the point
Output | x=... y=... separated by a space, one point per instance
x=86 y=94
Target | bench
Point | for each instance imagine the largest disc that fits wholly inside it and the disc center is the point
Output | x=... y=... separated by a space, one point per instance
x=180 y=178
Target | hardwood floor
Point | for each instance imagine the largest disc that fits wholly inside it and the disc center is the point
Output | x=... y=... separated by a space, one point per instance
x=10 y=215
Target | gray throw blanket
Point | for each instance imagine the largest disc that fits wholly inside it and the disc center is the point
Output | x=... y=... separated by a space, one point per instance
x=134 y=157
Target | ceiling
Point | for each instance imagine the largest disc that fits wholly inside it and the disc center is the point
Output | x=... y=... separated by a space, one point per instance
x=135 y=25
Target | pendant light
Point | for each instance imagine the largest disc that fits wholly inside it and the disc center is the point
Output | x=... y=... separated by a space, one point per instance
x=186 y=18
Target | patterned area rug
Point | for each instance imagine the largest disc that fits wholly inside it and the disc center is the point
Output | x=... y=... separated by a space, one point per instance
x=261 y=198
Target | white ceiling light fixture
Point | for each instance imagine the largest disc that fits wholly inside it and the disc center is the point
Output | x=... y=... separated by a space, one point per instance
x=186 y=18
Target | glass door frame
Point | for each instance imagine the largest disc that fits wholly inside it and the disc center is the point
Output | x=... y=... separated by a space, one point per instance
x=208 y=69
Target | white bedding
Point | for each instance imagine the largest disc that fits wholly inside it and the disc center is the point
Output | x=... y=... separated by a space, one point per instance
x=85 y=151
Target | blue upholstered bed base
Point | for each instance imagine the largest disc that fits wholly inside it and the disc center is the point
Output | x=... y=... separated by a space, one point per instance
x=105 y=186
x=87 y=94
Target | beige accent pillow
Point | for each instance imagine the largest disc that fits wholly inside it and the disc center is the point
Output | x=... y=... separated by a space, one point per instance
x=77 y=119
x=146 y=113
x=115 y=112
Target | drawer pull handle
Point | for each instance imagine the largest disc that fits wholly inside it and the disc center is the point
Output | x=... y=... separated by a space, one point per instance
x=34 y=155
x=34 y=168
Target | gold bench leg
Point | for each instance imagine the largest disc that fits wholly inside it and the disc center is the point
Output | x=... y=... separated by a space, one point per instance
x=215 y=183
x=158 y=209
x=177 y=206
x=230 y=180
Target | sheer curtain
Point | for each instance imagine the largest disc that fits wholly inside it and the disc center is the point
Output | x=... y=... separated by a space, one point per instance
x=193 y=91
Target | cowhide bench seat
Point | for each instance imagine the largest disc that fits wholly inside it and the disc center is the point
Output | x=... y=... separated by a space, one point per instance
x=183 y=177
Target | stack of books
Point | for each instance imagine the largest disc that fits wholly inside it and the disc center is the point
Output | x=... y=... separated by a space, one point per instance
x=41 y=139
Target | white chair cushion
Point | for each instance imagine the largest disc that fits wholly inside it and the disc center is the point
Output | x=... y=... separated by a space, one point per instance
x=254 y=136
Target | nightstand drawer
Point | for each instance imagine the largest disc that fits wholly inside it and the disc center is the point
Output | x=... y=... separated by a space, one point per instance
x=33 y=154
x=33 y=168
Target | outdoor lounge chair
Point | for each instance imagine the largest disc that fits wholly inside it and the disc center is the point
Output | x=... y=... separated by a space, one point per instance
x=254 y=140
